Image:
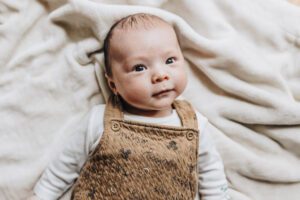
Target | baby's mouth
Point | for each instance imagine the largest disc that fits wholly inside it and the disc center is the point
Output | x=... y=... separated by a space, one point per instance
x=162 y=92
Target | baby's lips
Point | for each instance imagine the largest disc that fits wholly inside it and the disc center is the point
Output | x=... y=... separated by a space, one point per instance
x=162 y=92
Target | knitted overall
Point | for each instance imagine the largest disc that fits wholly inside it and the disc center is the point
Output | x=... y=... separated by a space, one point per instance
x=142 y=161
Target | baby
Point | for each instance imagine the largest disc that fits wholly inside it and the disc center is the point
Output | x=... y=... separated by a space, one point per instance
x=144 y=144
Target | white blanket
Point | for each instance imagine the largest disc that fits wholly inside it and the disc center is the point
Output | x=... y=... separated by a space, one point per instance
x=244 y=75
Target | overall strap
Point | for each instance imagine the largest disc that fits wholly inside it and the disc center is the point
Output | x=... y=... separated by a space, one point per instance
x=186 y=114
x=113 y=110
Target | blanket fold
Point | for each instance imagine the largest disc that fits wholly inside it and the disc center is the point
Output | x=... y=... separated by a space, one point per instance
x=243 y=60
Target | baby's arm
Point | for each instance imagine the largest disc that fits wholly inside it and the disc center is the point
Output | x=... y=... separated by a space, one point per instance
x=62 y=171
x=212 y=179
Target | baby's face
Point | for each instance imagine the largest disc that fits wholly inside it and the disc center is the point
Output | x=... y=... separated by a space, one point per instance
x=147 y=69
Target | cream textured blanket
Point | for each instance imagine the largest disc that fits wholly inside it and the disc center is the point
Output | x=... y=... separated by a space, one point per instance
x=244 y=66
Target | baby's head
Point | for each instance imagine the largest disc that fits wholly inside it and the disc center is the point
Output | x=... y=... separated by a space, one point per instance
x=144 y=64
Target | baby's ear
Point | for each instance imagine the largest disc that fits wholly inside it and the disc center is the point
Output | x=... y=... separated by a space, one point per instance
x=111 y=83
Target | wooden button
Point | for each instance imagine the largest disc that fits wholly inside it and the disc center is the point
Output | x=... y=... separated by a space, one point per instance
x=190 y=135
x=115 y=126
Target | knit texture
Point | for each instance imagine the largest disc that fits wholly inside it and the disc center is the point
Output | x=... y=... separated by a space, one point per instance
x=142 y=160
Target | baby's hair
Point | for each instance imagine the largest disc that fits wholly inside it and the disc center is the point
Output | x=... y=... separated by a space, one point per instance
x=129 y=22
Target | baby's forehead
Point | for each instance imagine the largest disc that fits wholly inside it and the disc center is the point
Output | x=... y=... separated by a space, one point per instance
x=144 y=26
x=139 y=35
x=143 y=44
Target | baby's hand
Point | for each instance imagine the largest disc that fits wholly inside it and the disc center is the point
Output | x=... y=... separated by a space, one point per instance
x=33 y=197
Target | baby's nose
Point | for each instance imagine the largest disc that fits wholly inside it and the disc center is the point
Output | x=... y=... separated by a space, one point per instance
x=160 y=76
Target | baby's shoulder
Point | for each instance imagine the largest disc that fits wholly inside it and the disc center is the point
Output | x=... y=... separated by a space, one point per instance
x=200 y=116
x=202 y=120
x=97 y=114
x=98 y=109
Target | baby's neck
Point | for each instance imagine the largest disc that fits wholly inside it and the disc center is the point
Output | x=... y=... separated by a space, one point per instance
x=147 y=113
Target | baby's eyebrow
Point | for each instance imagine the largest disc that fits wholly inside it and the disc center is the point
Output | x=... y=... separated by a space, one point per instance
x=134 y=59
x=138 y=57
x=170 y=52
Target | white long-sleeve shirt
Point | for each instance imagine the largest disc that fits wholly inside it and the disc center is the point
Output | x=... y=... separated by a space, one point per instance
x=62 y=172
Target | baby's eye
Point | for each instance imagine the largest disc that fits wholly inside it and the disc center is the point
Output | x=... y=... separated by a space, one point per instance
x=170 y=60
x=139 y=68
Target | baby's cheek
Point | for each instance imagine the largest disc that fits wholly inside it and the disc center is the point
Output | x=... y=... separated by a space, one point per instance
x=181 y=79
x=134 y=86
x=136 y=90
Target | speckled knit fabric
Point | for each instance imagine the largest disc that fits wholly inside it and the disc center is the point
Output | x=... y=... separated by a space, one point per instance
x=142 y=161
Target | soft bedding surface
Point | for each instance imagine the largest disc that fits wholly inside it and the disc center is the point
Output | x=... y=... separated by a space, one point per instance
x=243 y=59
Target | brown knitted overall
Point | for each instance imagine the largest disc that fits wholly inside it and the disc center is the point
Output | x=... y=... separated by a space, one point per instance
x=142 y=161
